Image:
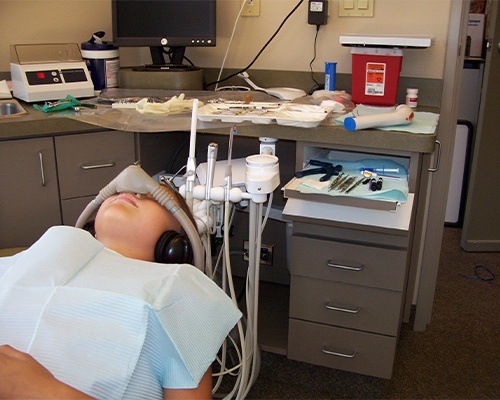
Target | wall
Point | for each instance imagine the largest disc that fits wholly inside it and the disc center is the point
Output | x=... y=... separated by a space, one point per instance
x=51 y=21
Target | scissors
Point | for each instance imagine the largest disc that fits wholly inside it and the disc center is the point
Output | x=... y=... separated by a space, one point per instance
x=326 y=168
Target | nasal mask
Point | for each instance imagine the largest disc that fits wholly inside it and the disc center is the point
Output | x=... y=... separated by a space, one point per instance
x=170 y=247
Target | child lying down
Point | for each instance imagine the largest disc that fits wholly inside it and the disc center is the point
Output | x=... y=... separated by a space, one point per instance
x=98 y=317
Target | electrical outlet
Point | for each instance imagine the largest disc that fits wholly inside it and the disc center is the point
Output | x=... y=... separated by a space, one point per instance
x=251 y=8
x=266 y=253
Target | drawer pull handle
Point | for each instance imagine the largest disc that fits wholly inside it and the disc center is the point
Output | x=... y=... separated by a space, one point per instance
x=97 y=166
x=438 y=157
x=334 y=353
x=42 y=170
x=346 y=310
x=339 y=266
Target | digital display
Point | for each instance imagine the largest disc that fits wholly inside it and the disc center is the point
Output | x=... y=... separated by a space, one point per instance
x=47 y=77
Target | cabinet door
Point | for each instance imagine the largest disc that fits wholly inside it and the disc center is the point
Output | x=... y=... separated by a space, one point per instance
x=29 y=196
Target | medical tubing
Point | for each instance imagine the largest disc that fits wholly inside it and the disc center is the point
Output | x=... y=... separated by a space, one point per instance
x=222 y=362
x=230 y=371
x=86 y=213
x=268 y=210
x=239 y=386
x=221 y=252
x=132 y=179
x=107 y=191
x=253 y=291
x=205 y=241
x=251 y=350
x=249 y=299
x=164 y=198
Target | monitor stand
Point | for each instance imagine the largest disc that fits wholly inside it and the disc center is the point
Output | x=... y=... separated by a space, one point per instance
x=143 y=78
x=176 y=55
x=166 y=67
x=162 y=75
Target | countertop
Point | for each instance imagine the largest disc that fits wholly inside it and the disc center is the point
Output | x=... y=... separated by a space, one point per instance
x=38 y=124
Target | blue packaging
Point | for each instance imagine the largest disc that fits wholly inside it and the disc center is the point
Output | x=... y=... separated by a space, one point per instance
x=330 y=74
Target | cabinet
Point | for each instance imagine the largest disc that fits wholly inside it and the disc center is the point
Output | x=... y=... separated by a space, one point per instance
x=49 y=180
x=29 y=197
x=88 y=162
x=349 y=276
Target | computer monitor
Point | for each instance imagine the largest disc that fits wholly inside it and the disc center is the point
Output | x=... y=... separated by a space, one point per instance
x=160 y=24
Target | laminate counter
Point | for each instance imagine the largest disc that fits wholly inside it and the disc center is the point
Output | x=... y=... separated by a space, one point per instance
x=38 y=124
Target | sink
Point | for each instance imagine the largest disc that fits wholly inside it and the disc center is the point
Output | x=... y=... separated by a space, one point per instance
x=10 y=108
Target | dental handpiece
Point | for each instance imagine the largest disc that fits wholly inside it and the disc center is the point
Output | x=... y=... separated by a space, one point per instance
x=229 y=171
x=211 y=159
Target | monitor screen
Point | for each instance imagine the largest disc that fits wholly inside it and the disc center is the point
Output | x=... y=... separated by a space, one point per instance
x=159 y=24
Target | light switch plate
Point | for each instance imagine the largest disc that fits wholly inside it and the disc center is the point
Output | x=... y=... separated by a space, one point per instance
x=356 y=8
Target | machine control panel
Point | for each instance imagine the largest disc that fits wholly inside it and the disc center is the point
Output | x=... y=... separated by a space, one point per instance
x=49 y=77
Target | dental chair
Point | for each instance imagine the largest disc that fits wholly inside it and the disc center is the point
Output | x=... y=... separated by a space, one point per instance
x=148 y=320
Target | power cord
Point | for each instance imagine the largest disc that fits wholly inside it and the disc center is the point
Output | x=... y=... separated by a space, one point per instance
x=169 y=53
x=261 y=50
x=482 y=273
x=314 y=58
x=229 y=44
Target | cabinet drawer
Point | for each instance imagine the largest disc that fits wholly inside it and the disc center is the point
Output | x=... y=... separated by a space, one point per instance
x=344 y=349
x=72 y=208
x=88 y=162
x=351 y=263
x=351 y=306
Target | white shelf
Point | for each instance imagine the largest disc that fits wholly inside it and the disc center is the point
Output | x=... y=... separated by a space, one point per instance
x=414 y=42
x=398 y=220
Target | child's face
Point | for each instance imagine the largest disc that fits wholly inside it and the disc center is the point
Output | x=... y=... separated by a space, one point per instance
x=132 y=224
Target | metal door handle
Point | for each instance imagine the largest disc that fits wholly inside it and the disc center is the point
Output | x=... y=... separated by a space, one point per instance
x=335 y=353
x=42 y=171
x=97 y=166
x=346 y=310
x=438 y=157
x=340 y=266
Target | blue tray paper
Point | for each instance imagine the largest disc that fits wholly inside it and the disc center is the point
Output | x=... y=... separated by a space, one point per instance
x=394 y=190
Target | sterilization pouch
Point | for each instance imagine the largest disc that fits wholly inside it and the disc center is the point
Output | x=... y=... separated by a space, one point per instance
x=111 y=326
